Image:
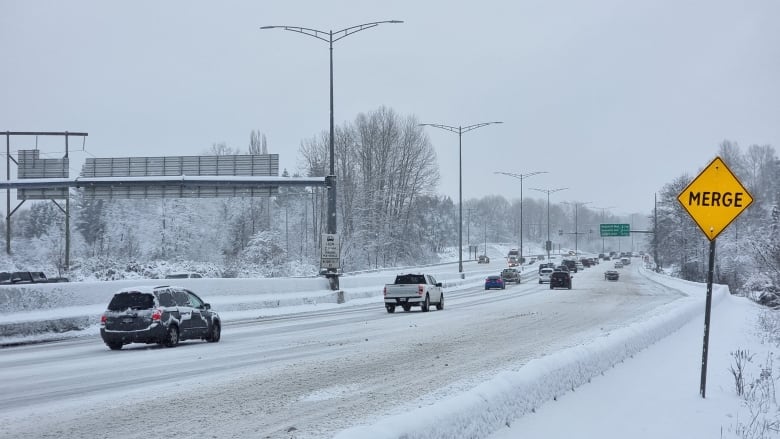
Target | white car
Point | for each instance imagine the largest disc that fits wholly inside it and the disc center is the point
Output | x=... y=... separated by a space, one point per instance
x=544 y=275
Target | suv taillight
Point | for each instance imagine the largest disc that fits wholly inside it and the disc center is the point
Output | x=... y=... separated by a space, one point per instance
x=103 y=320
x=157 y=315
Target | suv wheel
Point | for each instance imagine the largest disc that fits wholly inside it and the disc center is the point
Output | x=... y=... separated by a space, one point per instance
x=114 y=346
x=215 y=334
x=172 y=338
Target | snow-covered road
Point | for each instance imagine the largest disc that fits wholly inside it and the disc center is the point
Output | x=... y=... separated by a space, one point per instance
x=312 y=374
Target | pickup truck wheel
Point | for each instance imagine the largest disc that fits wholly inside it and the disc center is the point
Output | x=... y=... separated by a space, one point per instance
x=440 y=305
x=406 y=308
x=390 y=308
x=426 y=306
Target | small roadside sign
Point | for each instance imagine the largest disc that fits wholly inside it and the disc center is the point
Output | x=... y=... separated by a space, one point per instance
x=715 y=198
x=330 y=257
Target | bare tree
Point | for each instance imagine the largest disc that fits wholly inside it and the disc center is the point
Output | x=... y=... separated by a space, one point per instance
x=257 y=143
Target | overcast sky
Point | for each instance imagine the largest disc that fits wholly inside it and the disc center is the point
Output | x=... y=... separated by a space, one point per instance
x=613 y=98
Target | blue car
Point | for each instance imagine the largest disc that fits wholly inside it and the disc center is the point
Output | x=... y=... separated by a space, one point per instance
x=494 y=282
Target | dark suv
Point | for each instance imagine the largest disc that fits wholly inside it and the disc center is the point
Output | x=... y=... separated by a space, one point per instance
x=163 y=314
x=560 y=279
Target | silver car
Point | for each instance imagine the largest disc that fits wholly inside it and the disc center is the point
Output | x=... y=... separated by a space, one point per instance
x=544 y=275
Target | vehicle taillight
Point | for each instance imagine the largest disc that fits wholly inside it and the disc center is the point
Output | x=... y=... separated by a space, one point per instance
x=103 y=320
x=157 y=315
x=420 y=290
x=384 y=292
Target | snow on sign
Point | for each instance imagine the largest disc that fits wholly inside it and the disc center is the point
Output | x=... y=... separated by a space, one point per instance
x=715 y=198
x=331 y=251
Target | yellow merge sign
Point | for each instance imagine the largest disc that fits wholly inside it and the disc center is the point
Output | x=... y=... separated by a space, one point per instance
x=715 y=198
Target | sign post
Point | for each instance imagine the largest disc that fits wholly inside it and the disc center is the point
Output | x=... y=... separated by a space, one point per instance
x=713 y=199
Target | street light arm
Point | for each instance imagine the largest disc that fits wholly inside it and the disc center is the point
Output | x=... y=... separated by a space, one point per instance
x=521 y=176
x=549 y=191
x=458 y=130
x=353 y=29
x=328 y=37
x=444 y=127
x=320 y=35
x=477 y=125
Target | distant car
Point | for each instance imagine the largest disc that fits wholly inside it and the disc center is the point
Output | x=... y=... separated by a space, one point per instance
x=560 y=279
x=618 y=264
x=544 y=275
x=494 y=282
x=183 y=276
x=579 y=266
x=483 y=259
x=611 y=275
x=571 y=264
x=513 y=262
x=544 y=265
x=163 y=314
x=510 y=275
x=562 y=268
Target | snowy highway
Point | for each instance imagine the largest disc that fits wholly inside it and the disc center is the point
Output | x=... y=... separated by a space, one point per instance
x=313 y=374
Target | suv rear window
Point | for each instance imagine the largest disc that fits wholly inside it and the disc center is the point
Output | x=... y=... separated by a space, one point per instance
x=131 y=300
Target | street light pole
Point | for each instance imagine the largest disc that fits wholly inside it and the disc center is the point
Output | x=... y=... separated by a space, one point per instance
x=576 y=227
x=331 y=37
x=548 y=244
x=521 y=177
x=460 y=130
x=468 y=231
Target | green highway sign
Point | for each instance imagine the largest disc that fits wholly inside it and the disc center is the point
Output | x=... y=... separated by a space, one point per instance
x=614 y=230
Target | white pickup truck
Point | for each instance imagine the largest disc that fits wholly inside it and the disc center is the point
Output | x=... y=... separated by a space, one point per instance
x=410 y=290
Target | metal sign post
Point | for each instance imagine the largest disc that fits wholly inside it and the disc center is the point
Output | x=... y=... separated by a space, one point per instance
x=713 y=199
